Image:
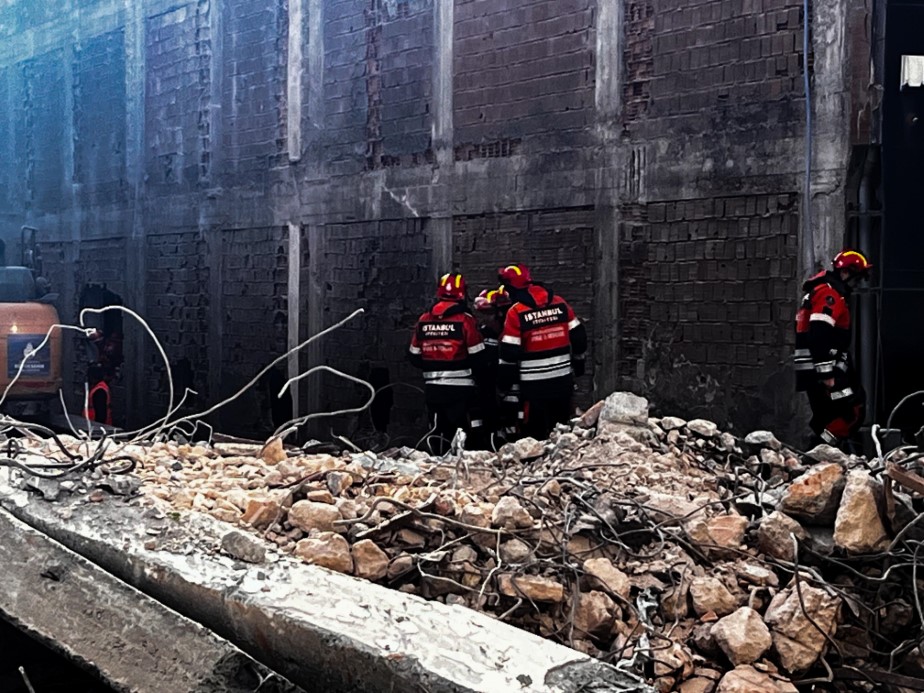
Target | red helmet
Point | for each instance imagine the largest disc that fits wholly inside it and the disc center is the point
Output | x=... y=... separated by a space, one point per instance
x=451 y=287
x=516 y=276
x=489 y=299
x=852 y=261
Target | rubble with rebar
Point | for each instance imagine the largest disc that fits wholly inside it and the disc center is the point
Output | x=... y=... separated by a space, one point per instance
x=701 y=561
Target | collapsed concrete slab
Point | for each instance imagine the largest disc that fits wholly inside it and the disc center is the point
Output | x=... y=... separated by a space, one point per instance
x=129 y=640
x=323 y=630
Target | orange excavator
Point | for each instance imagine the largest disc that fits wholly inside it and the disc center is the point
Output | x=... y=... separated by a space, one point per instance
x=30 y=351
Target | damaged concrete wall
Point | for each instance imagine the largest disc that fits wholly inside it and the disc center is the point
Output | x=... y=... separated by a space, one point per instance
x=660 y=142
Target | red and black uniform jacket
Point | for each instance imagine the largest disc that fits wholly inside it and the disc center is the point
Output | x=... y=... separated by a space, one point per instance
x=823 y=336
x=448 y=348
x=98 y=408
x=546 y=340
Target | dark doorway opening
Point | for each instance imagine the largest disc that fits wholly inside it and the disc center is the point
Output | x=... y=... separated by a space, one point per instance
x=902 y=253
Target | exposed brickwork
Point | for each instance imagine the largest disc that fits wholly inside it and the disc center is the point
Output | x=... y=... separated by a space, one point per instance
x=557 y=245
x=730 y=55
x=254 y=323
x=177 y=309
x=99 y=118
x=41 y=150
x=10 y=182
x=345 y=87
x=254 y=90
x=178 y=81
x=383 y=267
x=400 y=55
x=707 y=304
x=522 y=68
x=638 y=57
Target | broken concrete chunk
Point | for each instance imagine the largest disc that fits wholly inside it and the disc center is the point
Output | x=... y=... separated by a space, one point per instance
x=814 y=497
x=796 y=640
x=369 y=561
x=515 y=551
x=261 y=513
x=527 y=449
x=711 y=594
x=328 y=550
x=509 y=514
x=827 y=453
x=625 y=408
x=746 y=679
x=858 y=527
x=764 y=439
x=773 y=536
x=308 y=515
x=539 y=589
x=704 y=428
x=672 y=423
x=743 y=636
x=273 y=451
x=608 y=576
x=590 y=417
x=595 y=613
x=243 y=547
x=338 y=482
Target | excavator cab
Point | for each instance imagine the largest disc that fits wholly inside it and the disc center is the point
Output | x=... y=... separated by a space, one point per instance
x=30 y=350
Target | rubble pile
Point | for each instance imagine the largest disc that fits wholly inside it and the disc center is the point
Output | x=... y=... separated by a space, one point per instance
x=702 y=561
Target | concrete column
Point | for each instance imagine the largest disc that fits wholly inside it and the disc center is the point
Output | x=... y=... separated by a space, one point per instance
x=214 y=262
x=315 y=63
x=68 y=283
x=831 y=128
x=439 y=226
x=612 y=188
x=314 y=313
x=294 y=81
x=136 y=343
x=294 y=303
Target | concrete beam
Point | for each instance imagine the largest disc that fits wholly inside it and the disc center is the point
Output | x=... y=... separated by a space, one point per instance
x=111 y=629
x=323 y=630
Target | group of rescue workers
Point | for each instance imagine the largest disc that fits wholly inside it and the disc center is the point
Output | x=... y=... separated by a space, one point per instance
x=504 y=367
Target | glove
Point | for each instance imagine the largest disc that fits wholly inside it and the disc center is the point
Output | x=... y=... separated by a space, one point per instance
x=577 y=365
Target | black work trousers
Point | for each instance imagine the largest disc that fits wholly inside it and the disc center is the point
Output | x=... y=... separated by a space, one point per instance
x=445 y=419
x=541 y=415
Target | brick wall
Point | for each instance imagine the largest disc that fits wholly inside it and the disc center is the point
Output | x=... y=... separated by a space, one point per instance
x=399 y=79
x=254 y=48
x=10 y=181
x=523 y=68
x=253 y=318
x=557 y=246
x=42 y=142
x=384 y=267
x=344 y=150
x=731 y=62
x=177 y=305
x=708 y=306
x=99 y=118
x=176 y=98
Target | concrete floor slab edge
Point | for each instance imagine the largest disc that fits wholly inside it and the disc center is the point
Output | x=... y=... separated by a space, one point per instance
x=129 y=640
x=323 y=630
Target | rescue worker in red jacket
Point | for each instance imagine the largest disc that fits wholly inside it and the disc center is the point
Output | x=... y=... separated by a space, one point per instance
x=500 y=409
x=544 y=343
x=449 y=349
x=822 y=362
x=99 y=397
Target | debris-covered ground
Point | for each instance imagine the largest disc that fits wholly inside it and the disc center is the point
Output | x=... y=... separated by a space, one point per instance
x=703 y=561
